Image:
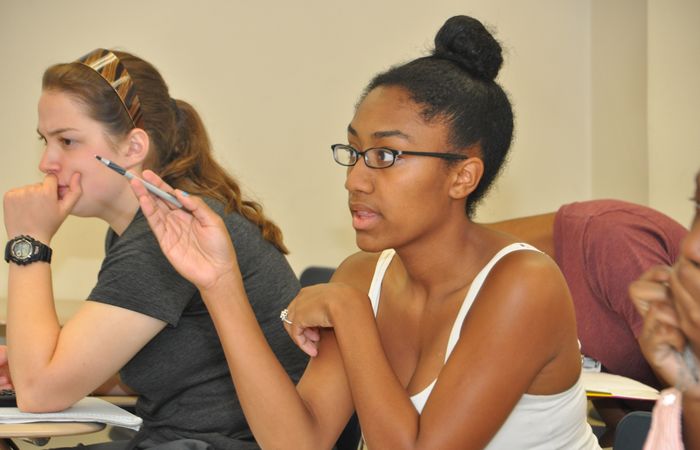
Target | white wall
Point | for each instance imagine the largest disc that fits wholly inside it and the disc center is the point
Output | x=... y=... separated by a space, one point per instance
x=619 y=100
x=674 y=100
x=276 y=83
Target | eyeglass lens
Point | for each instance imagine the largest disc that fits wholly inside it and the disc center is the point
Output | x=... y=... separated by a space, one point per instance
x=374 y=157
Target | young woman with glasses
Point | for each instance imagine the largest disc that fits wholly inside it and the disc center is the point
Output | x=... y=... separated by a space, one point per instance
x=440 y=333
x=142 y=319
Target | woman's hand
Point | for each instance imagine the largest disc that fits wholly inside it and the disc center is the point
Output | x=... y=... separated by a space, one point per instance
x=685 y=285
x=195 y=241
x=651 y=287
x=313 y=309
x=662 y=340
x=5 y=379
x=37 y=210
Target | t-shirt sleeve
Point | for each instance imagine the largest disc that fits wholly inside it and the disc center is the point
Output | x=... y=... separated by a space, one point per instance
x=618 y=248
x=136 y=275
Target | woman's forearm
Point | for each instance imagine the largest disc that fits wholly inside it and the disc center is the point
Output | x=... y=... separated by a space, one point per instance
x=276 y=413
x=387 y=415
x=32 y=329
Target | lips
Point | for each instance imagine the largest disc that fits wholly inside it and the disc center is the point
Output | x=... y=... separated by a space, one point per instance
x=62 y=191
x=363 y=216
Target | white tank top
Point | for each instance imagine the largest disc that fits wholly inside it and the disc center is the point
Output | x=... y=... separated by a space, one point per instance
x=555 y=421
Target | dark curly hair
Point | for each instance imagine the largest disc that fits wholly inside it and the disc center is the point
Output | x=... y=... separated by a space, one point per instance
x=456 y=84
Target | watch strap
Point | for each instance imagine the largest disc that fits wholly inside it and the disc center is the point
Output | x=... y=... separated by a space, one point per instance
x=39 y=251
x=42 y=251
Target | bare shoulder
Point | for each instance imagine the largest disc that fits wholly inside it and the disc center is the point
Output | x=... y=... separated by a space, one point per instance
x=527 y=278
x=523 y=289
x=524 y=310
x=357 y=270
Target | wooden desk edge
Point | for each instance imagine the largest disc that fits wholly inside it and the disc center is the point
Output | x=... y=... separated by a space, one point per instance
x=48 y=429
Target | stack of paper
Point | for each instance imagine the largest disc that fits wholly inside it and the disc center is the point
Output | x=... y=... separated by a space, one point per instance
x=89 y=409
x=601 y=384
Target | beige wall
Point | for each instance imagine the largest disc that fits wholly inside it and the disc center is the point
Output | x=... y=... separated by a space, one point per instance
x=674 y=99
x=276 y=83
x=619 y=100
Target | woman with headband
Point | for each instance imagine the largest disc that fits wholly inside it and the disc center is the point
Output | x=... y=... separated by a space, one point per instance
x=441 y=333
x=142 y=319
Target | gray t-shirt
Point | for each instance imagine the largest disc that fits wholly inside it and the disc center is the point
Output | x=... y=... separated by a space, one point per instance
x=181 y=376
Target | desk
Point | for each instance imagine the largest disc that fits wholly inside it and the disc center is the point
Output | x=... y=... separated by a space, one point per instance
x=39 y=430
x=89 y=408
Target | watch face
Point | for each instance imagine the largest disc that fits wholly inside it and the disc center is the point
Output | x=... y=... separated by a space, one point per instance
x=22 y=249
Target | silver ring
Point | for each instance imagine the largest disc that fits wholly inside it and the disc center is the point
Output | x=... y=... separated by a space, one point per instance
x=283 y=316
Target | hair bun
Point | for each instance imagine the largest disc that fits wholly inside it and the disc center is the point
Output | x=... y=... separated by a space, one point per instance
x=467 y=42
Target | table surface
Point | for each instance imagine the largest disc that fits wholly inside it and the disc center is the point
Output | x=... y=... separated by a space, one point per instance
x=47 y=429
x=55 y=429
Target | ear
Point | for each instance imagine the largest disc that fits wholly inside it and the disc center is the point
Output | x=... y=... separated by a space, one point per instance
x=466 y=177
x=135 y=147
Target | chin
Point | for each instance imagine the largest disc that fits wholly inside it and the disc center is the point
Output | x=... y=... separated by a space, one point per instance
x=369 y=244
x=80 y=211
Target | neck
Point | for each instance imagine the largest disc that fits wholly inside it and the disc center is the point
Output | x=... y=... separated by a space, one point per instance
x=121 y=212
x=449 y=258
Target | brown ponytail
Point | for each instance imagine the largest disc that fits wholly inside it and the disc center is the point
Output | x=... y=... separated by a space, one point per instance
x=180 y=148
x=192 y=168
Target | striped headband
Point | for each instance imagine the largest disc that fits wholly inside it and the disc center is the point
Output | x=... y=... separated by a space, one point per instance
x=108 y=66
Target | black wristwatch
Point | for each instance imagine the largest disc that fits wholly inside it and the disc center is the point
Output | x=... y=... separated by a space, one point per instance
x=24 y=250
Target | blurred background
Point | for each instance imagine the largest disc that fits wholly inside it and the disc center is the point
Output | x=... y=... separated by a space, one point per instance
x=605 y=95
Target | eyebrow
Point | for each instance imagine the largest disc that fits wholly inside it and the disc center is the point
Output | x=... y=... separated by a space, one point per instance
x=55 y=132
x=383 y=134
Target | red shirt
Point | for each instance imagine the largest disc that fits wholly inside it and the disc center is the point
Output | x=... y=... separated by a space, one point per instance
x=602 y=246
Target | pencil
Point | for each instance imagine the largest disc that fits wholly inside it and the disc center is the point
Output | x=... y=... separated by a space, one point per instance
x=156 y=191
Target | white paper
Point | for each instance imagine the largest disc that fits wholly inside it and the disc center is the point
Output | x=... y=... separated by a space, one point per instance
x=609 y=385
x=89 y=409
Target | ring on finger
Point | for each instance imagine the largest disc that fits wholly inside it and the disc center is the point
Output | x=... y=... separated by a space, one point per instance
x=283 y=316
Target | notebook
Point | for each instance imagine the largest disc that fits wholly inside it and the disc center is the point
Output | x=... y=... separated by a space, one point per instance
x=601 y=384
x=89 y=409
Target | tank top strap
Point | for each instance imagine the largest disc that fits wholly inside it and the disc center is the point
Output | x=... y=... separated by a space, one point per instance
x=375 y=287
x=474 y=291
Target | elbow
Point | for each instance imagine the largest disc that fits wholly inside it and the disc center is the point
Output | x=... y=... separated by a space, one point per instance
x=40 y=398
x=294 y=444
x=42 y=404
x=296 y=440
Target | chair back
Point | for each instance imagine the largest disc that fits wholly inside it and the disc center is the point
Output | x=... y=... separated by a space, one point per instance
x=315 y=275
x=632 y=430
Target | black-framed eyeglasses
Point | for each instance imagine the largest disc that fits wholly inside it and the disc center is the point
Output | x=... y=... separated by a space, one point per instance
x=381 y=157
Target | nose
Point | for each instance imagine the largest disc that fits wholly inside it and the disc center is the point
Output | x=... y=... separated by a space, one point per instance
x=49 y=162
x=359 y=178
